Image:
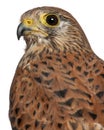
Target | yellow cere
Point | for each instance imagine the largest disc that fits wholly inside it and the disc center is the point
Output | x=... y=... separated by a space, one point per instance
x=43 y=18
x=28 y=22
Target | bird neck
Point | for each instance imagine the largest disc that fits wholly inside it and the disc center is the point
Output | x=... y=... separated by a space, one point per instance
x=36 y=51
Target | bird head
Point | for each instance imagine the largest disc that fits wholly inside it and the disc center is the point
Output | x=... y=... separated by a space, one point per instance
x=50 y=26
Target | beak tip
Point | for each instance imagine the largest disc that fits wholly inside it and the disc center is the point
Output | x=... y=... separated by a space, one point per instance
x=18 y=37
x=20 y=31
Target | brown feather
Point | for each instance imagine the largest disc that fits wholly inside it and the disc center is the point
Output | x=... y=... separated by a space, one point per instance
x=58 y=89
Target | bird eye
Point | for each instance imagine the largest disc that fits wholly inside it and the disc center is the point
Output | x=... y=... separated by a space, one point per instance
x=50 y=20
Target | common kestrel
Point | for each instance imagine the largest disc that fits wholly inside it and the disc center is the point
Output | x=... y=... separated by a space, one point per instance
x=59 y=82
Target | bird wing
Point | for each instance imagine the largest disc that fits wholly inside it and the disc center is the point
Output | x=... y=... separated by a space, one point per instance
x=58 y=91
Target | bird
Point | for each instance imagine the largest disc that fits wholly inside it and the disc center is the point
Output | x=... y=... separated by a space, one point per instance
x=59 y=81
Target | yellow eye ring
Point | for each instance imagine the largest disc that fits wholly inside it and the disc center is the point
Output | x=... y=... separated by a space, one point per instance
x=49 y=20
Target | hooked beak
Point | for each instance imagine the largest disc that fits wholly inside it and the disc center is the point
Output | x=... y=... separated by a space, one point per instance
x=21 y=29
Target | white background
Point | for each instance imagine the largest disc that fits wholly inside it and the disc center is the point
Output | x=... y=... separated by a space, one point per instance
x=89 y=13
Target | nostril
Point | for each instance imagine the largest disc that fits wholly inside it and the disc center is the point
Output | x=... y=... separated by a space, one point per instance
x=28 y=22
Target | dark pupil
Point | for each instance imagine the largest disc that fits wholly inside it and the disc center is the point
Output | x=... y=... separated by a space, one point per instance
x=52 y=20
